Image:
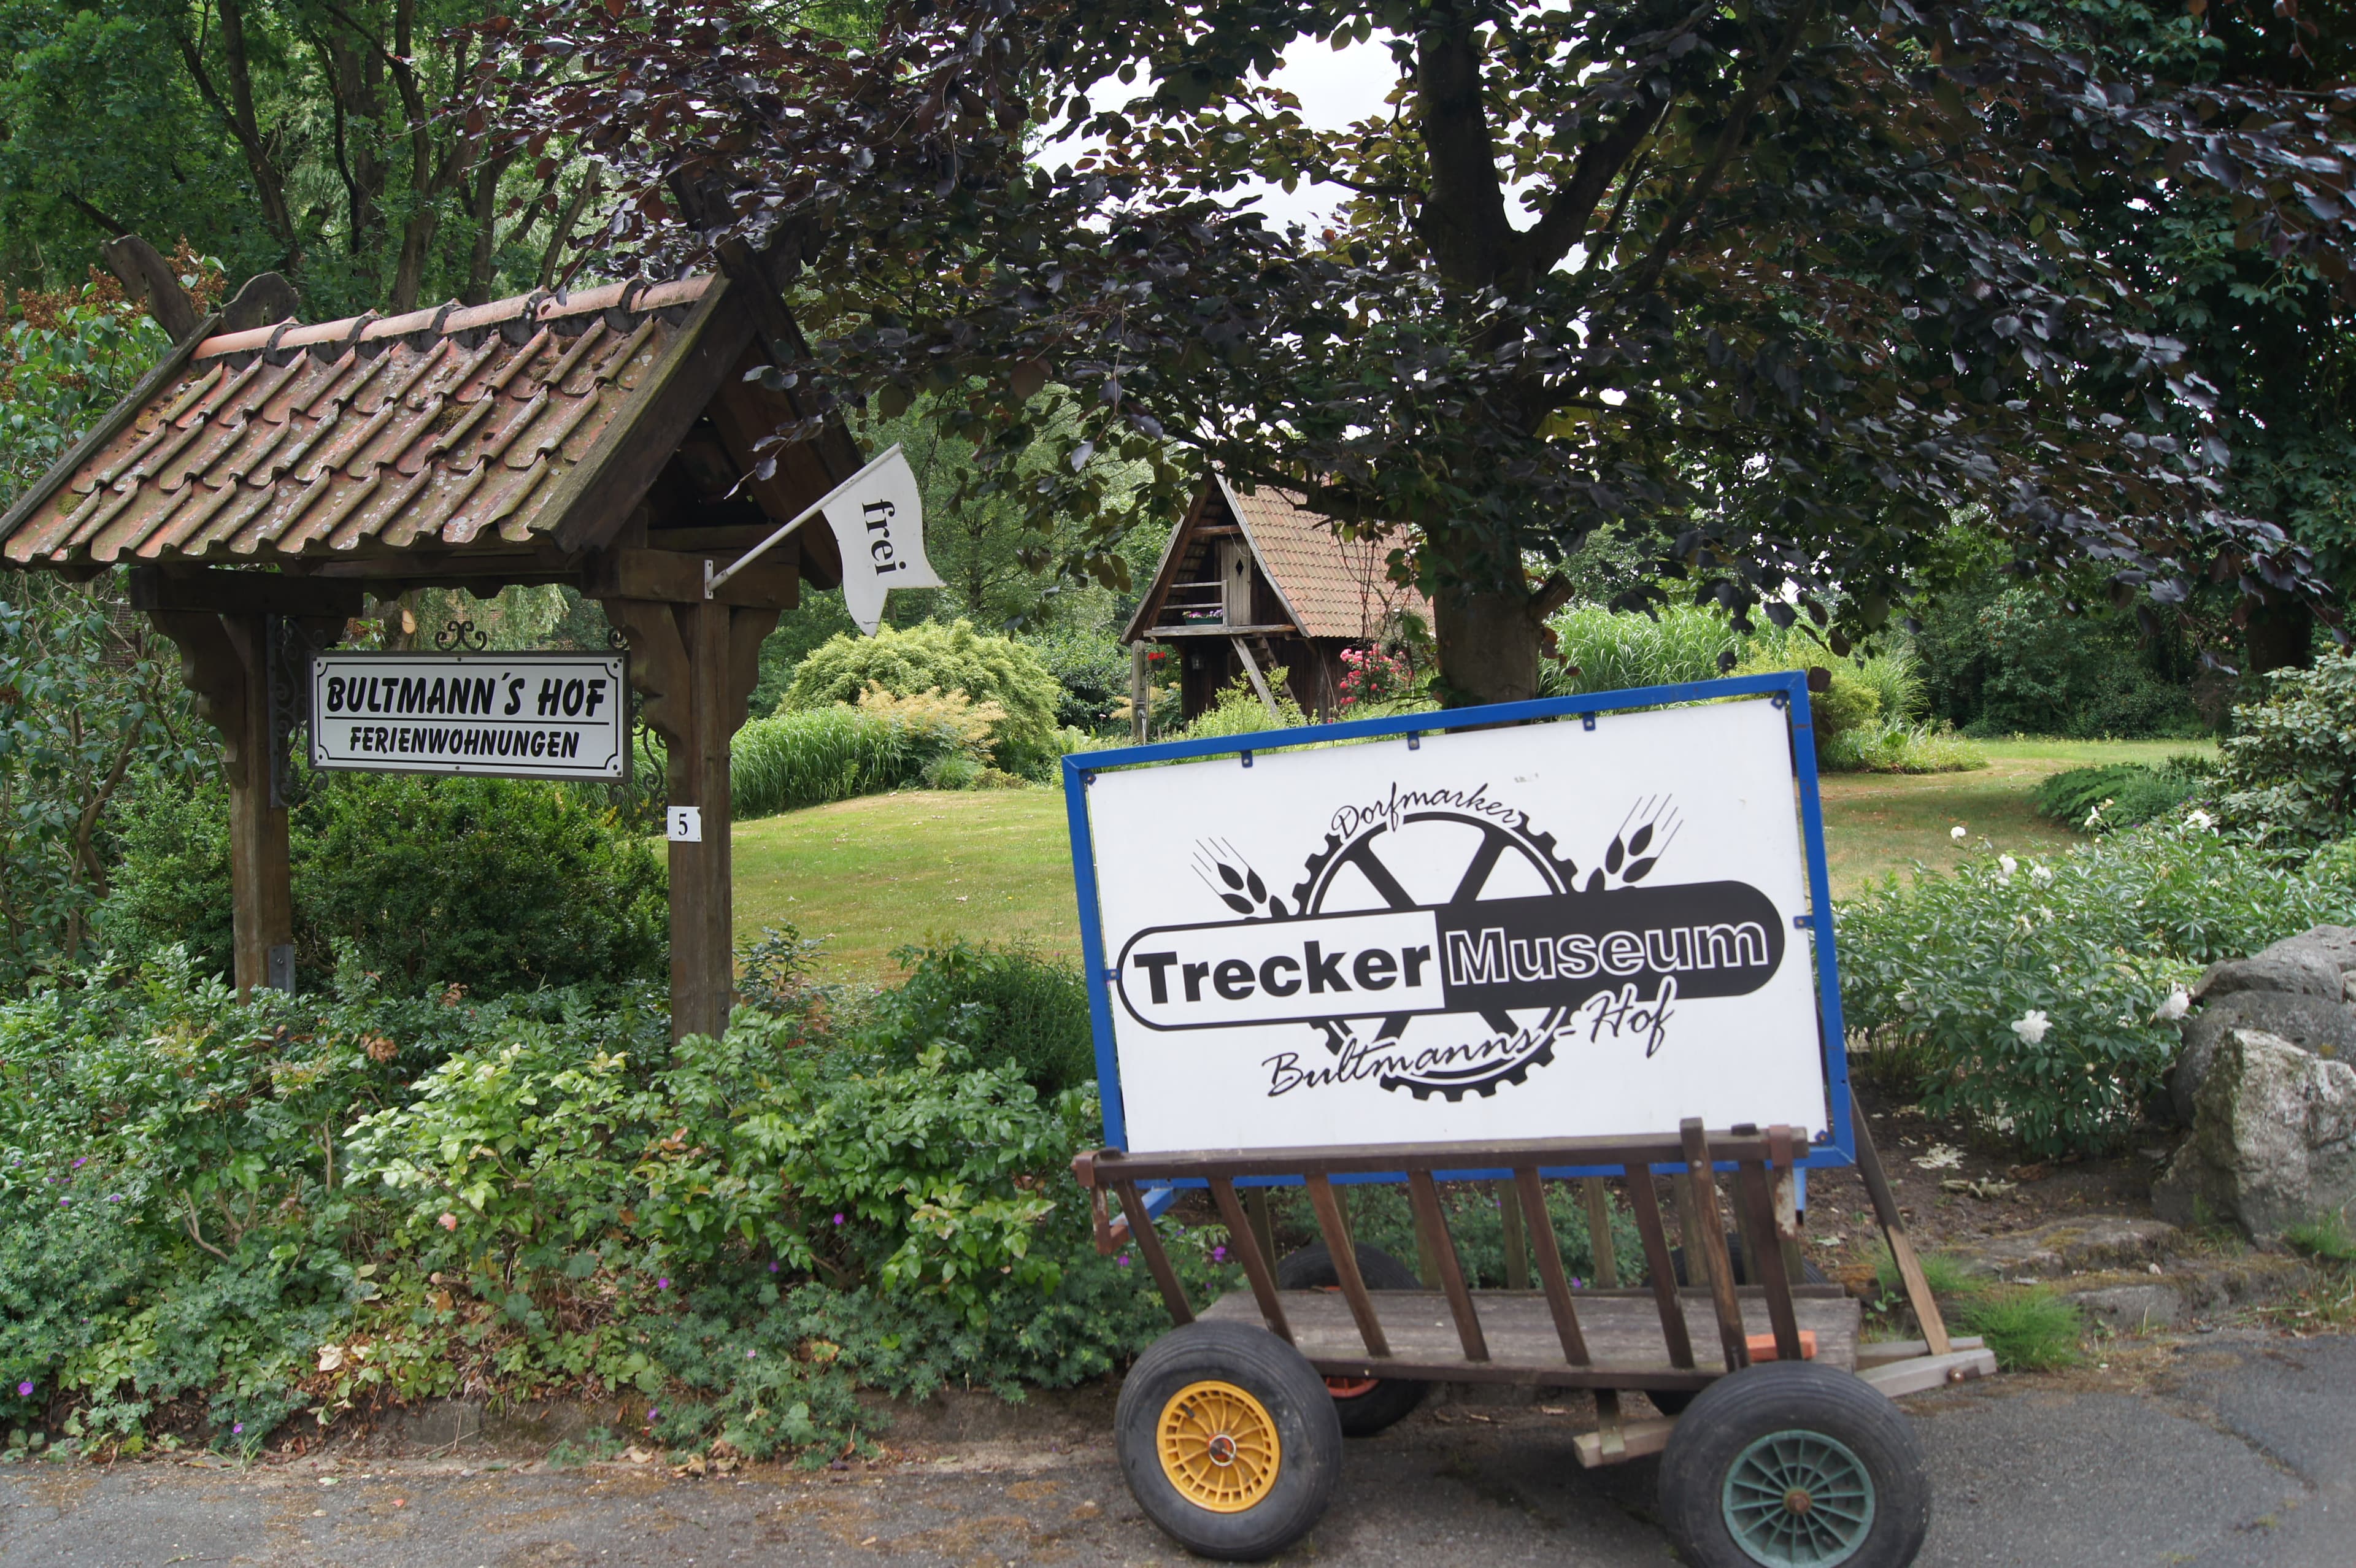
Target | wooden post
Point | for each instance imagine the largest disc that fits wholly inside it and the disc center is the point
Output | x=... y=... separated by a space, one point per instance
x=1599 y=1228
x=1509 y=1220
x=703 y=971
x=1140 y=694
x=224 y=660
x=697 y=664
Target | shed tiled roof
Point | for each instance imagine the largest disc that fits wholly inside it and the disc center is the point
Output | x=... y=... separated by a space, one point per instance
x=365 y=436
x=1334 y=587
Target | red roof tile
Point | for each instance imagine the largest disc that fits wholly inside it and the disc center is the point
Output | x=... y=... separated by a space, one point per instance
x=1334 y=587
x=368 y=435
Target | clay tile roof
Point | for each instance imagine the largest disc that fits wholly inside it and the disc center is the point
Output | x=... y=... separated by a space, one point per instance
x=368 y=435
x=1334 y=587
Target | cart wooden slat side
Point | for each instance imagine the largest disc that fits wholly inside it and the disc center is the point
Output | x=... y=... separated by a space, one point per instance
x=1664 y=1338
x=1622 y=1333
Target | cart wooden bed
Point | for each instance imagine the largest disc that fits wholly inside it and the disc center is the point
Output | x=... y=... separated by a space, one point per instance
x=1667 y=1339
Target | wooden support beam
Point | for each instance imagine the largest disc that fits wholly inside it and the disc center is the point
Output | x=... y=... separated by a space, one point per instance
x=1659 y=1267
x=229 y=592
x=1148 y=1241
x=1247 y=1249
x=1551 y=1273
x=1335 y=1229
x=675 y=577
x=1893 y=1231
x=224 y=660
x=1599 y=1232
x=696 y=664
x=1711 y=1243
x=1423 y=1198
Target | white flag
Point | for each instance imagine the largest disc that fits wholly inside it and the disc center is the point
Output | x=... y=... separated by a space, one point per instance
x=878 y=519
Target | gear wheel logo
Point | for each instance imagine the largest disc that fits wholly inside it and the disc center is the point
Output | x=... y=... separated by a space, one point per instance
x=1492 y=859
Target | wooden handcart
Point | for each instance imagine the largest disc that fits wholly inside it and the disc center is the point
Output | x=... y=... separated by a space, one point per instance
x=1780 y=1446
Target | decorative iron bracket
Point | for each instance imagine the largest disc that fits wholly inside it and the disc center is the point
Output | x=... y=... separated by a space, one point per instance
x=289 y=648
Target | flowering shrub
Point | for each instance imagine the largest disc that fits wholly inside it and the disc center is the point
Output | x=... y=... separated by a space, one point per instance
x=1371 y=675
x=2037 y=997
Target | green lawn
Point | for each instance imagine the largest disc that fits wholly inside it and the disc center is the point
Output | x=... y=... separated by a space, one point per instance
x=995 y=865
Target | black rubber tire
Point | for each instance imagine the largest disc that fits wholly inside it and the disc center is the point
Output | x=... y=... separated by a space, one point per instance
x=1674 y=1404
x=1735 y=1411
x=1391 y=1399
x=1309 y=1437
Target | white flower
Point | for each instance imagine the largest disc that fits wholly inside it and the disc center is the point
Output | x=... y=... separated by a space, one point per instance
x=2179 y=1003
x=1958 y=832
x=2006 y=866
x=331 y=1358
x=2041 y=873
x=2202 y=820
x=2031 y=1027
x=2094 y=820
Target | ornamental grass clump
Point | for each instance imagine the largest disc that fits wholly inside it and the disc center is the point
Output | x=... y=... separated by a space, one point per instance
x=2036 y=999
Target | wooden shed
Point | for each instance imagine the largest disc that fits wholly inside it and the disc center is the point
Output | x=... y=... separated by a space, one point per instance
x=264 y=479
x=1253 y=582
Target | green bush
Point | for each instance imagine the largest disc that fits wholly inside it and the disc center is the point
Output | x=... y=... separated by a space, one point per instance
x=217 y=1214
x=2112 y=797
x=1004 y=1005
x=498 y=883
x=1235 y=709
x=938 y=657
x=2031 y=997
x=818 y=755
x=1380 y=1216
x=2007 y=661
x=2287 y=775
x=1852 y=704
x=1601 y=649
x=1884 y=747
x=1092 y=668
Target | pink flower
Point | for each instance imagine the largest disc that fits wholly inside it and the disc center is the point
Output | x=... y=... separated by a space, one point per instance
x=25 y=1391
x=663 y=1284
x=448 y=1222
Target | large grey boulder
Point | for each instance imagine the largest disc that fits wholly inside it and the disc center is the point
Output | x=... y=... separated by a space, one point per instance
x=2272 y=1143
x=2293 y=964
x=2339 y=941
x=2309 y=1022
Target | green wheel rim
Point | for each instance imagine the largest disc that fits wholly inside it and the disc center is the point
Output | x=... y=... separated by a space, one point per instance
x=1798 y=1500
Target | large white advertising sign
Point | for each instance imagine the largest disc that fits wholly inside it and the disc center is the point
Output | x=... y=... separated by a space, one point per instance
x=547 y=716
x=1539 y=931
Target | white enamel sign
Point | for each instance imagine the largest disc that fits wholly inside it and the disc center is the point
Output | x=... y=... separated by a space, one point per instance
x=1548 y=931
x=548 y=716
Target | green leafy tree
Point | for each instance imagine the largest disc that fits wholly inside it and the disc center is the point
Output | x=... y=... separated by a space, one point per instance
x=1780 y=289
x=90 y=703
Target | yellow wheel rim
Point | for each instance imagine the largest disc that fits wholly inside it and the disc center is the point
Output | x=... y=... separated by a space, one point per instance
x=1218 y=1446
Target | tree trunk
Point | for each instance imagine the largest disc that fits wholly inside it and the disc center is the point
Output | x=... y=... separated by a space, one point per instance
x=2281 y=636
x=1488 y=645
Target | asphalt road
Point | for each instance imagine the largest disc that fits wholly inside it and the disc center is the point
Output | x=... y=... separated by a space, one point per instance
x=2216 y=1452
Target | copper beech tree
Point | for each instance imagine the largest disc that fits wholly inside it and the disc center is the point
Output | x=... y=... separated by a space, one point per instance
x=1783 y=289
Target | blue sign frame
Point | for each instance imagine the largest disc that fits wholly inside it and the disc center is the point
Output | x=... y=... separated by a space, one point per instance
x=1788 y=689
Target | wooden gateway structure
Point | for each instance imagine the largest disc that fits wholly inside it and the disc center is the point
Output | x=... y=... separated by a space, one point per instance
x=269 y=475
x=1251 y=582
